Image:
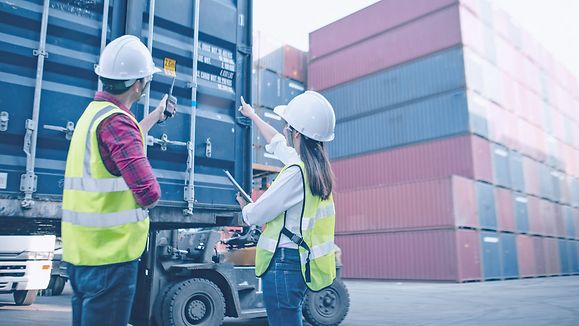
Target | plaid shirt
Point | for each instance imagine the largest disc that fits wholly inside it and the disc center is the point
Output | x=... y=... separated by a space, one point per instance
x=121 y=149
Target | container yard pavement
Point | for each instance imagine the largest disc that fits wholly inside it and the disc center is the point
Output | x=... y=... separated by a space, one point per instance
x=540 y=301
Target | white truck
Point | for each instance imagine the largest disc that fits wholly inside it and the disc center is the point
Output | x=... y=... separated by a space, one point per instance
x=25 y=265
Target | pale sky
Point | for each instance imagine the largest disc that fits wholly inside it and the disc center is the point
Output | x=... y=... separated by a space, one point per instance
x=553 y=23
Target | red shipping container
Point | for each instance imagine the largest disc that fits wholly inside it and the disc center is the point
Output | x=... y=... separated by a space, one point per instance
x=294 y=63
x=434 y=255
x=535 y=217
x=531 y=174
x=552 y=259
x=505 y=210
x=466 y=156
x=473 y=31
x=526 y=256
x=540 y=259
x=437 y=31
x=502 y=23
x=370 y=21
x=559 y=217
x=547 y=215
x=448 y=202
x=510 y=139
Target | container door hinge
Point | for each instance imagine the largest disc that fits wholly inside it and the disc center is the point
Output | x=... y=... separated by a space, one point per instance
x=4 y=117
x=29 y=126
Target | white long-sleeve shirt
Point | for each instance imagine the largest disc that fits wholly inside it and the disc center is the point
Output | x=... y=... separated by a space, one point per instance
x=286 y=194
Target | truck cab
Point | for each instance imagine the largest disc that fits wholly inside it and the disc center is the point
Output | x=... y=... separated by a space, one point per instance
x=25 y=265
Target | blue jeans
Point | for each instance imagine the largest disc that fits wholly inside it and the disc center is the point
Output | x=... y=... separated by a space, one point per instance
x=102 y=295
x=284 y=289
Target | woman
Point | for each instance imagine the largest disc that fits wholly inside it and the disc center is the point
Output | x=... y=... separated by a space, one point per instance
x=296 y=250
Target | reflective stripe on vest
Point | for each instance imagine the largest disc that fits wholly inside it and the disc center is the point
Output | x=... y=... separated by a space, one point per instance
x=101 y=222
x=316 y=239
x=95 y=185
x=320 y=250
x=322 y=212
x=104 y=220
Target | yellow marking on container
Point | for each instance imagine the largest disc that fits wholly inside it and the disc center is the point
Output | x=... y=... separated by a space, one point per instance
x=170 y=67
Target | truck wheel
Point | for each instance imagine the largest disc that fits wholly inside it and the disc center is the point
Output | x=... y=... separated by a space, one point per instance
x=25 y=297
x=327 y=307
x=195 y=301
x=58 y=286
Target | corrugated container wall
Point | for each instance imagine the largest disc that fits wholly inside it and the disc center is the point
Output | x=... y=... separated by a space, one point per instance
x=436 y=255
x=67 y=84
x=425 y=91
x=287 y=61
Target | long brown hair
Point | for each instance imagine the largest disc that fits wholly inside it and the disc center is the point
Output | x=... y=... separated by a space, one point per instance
x=320 y=175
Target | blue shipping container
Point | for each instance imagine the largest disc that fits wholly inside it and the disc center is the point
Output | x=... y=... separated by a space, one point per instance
x=436 y=117
x=557 y=180
x=574 y=190
x=516 y=171
x=501 y=166
x=573 y=258
x=545 y=182
x=67 y=85
x=260 y=155
x=486 y=205
x=491 y=255
x=290 y=89
x=569 y=222
x=267 y=88
x=419 y=79
x=521 y=212
x=509 y=262
x=564 y=257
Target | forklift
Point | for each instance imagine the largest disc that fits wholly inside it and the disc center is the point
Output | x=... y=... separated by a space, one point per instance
x=185 y=280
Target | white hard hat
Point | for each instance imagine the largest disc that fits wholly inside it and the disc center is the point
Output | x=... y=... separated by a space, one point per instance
x=126 y=58
x=311 y=115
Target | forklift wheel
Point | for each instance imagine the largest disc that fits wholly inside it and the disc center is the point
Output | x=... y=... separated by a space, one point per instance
x=195 y=301
x=157 y=305
x=25 y=297
x=327 y=307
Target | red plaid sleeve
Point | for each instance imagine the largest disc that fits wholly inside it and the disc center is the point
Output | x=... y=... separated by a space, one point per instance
x=121 y=148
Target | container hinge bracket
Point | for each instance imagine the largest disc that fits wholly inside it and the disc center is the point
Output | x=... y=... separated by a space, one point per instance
x=163 y=142
x=4 y=117
x=189 y=189
x=208 y=147
x=30 y=127
x=37 y=52
x=68 y=130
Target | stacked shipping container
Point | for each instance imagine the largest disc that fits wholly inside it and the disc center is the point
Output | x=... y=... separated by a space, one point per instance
x=278 y=77
x=455 y=142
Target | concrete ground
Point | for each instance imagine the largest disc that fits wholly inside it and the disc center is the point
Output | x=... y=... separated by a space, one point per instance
x=550 y=301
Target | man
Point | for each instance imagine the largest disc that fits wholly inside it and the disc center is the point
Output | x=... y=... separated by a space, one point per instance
x=109 y=184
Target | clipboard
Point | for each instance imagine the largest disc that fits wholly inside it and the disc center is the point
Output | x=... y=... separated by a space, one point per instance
x=238 y=187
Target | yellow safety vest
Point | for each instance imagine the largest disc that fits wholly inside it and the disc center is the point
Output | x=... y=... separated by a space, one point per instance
x=316 y=243
x=101 y=220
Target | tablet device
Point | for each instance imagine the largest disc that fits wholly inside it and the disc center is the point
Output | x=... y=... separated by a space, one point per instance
x=238 y=187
